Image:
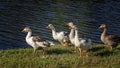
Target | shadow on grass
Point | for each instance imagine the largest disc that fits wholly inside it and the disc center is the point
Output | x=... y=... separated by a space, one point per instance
x=101 y=51
x=118 y=48
x=104 y=53
x=96 y=48
x=58 y=51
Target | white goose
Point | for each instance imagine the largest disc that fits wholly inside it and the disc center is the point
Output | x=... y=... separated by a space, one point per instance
x=72 y=33
x=59 y=36
x=35 y=41
x=82 y=43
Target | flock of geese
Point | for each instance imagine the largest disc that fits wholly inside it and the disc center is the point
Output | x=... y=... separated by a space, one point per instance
x=82 y=44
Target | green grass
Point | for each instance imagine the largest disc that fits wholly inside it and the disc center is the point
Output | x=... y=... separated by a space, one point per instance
x=60 y=57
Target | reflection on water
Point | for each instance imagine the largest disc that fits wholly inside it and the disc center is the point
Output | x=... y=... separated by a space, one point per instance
x=15 y=15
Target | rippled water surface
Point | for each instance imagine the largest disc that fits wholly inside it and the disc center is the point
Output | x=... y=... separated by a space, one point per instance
x=87 y=15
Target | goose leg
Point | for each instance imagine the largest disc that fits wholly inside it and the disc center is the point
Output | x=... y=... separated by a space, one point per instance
x=61 y=43
x=43 y=52
x=34 y=51
x=111 y=48
x=86 y=53
x=75 y=48
x=80 y=52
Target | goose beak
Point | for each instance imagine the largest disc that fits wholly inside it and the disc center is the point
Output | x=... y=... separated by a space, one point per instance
x=70 y=27
x=23 y=30
x=48 y=27
x=67 y=24
x=99 y=27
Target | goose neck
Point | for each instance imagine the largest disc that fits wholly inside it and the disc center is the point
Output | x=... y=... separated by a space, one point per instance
x=29 y=34
x=76 y=34
x=53 y=31
x=104 y=32
x=71 y=34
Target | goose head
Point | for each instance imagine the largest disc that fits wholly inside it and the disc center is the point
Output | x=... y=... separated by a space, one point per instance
x=26 y=29
x=70 y=25
x=102 y=26
x=73 y=27
x=50 y=26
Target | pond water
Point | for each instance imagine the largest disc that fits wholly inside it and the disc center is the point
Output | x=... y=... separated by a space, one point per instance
x=87 y=15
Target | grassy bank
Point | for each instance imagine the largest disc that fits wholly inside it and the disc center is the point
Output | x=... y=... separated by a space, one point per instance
x=60 y=57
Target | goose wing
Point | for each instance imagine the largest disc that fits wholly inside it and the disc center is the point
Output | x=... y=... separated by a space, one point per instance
x=41 y=42
x=37 y=39
x=114 y=38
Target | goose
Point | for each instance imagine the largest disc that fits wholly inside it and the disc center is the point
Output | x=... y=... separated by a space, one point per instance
x=72 y=33
x=35 y=41
x=108 y=39
x=81 y=43
x=62 y=36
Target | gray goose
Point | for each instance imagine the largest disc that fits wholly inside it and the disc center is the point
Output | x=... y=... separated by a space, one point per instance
x=108 y=39
x=35 y=41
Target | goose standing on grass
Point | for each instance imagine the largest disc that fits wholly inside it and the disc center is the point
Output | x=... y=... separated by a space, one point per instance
x=35 y=41
x=59 y=36
x=81 y=43
x=111 y=40
x=72 y=33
